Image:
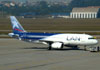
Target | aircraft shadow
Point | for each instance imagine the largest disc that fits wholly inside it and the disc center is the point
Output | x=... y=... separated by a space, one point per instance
x=45 y=48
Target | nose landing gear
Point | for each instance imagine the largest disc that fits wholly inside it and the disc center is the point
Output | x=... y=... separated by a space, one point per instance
x=85 y=48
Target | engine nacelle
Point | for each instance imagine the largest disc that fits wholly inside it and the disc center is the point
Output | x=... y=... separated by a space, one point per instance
x=57 y=45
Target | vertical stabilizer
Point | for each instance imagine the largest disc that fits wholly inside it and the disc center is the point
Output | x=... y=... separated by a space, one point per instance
x=17 y=28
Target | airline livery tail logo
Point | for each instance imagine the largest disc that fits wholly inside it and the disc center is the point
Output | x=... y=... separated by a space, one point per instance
x=16 y=25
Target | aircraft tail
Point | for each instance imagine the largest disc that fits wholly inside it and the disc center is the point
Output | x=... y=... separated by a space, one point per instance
x=17 y=28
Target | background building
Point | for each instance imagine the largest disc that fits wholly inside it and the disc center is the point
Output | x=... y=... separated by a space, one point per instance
x=86 y=12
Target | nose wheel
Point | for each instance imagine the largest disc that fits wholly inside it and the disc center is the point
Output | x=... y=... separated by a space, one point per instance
x=85 y=48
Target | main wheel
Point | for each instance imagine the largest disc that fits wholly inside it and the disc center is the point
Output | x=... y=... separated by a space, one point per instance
x=49 y=48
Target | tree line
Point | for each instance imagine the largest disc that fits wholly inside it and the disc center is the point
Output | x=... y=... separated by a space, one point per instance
x=42 y=8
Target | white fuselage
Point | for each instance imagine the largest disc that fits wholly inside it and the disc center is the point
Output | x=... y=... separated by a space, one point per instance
x=72 y=39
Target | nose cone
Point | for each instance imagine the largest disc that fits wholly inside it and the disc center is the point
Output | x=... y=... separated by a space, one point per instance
x=95 y=42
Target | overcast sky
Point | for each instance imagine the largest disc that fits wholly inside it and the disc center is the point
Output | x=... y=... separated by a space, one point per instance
x=36 y=0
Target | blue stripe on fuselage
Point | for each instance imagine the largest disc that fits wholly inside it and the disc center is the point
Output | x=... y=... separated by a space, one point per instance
x=36 y=36
x=39 y=34
x=31 y=38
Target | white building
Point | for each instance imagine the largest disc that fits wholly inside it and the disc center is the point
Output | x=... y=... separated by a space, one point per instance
x=88 y=12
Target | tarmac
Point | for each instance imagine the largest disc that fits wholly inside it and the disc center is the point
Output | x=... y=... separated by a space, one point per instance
x=18 y=55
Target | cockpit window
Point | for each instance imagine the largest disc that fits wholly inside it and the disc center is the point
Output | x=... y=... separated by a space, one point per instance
x=92 y=38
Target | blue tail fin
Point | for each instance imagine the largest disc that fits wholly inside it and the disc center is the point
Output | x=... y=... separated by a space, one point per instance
x=17 y=28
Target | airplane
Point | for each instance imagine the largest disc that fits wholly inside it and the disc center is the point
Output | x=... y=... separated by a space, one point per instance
x=53 y=40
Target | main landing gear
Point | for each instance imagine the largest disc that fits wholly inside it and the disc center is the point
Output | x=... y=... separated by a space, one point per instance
x=50 y=47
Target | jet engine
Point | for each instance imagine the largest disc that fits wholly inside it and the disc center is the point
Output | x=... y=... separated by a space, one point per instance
x=57 y=45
